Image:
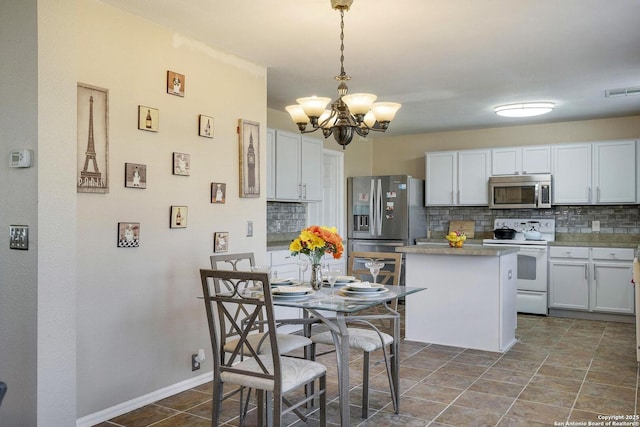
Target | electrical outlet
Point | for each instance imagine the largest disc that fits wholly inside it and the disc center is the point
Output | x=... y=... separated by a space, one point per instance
x=18 y=237
x=195 y=365
x=595 y=226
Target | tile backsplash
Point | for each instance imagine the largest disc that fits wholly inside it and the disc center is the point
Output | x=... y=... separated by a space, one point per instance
x=285 y=220
x=614 y=219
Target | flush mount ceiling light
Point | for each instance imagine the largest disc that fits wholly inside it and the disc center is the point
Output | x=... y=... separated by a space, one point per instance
x=349 y=114
x=524 y=109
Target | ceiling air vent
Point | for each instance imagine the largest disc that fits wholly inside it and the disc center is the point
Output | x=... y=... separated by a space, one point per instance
x=628 y=91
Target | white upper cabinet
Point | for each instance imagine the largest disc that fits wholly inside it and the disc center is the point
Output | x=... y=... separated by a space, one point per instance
x=457 y=178
x=271 y=164
x=614 y=172
x=297 y=164
x=571 y=174
x=594 y=173
x=521 y=160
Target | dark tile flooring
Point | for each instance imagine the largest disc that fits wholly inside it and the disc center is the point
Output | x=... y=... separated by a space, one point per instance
x=560 y=370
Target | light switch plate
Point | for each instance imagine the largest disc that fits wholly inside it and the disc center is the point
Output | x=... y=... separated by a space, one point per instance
x=19 y=237
x=595 y=226
x=249 y=228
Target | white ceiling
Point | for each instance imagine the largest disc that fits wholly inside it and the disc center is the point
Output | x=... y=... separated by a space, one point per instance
x=449 y=62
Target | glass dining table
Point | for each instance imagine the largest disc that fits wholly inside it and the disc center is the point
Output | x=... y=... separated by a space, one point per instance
x=334 y=312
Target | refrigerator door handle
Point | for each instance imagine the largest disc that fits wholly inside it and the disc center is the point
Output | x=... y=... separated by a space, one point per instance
x=372 y=214
x=379 y=206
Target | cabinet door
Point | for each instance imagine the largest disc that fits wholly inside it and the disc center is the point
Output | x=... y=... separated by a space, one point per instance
x=506 y=161
x=474 y=168
x=615 y=172
x=612 y=288
x=536 y=159
x=311 y=169
x=569 y=284
x=441 y=178
x=571 y=174
x=271 y=164
x=287 y=166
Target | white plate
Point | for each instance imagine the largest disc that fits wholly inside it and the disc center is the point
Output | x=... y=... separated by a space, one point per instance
x=283 y=282
x=289 y=297
x=291 y=290
x=373 y=287
x=351 y=293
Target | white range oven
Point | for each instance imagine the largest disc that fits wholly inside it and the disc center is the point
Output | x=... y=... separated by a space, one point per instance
x=533 y=281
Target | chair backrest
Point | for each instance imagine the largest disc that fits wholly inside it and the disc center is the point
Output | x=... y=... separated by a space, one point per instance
x=389 y=274
x=238 y=262
x=244 y=293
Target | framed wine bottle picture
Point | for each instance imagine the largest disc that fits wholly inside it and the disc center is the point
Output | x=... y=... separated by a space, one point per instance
x=178 y=217
x=148 y=118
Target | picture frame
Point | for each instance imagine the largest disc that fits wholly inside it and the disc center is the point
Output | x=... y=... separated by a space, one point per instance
x=135 y=175
x=181 y=164
x=178 y=217
x=128 y=234
x=218 y=192
x=175 y=83
x=148 y=118
x=92 y=139
x=220 y=241
x=205 y=126
x=249 y=138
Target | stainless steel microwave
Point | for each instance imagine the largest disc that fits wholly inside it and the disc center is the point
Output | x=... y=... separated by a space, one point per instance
x=520 y=191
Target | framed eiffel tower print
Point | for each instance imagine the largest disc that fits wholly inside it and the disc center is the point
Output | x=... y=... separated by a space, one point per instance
x=93 y=139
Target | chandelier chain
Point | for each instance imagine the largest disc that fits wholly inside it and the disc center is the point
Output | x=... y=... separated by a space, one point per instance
x=342 y=73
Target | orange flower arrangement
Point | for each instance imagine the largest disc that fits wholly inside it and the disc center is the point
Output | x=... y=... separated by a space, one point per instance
x=315 y=241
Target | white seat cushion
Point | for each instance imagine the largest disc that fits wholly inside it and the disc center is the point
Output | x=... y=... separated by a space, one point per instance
x=361 y=339
x=286 y=343
x=295 y=372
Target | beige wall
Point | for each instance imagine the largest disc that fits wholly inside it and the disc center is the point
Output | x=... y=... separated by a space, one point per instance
x=139 y=319
x=405 y=154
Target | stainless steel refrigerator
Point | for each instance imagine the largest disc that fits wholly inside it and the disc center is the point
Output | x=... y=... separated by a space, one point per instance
x=384 y=212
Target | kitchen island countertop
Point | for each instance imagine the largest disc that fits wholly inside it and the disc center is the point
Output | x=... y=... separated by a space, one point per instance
x=439 y=249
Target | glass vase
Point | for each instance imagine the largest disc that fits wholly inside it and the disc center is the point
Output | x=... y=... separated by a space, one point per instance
x=315 y=280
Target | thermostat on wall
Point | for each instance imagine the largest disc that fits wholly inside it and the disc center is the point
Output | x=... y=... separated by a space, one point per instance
x=20 y=159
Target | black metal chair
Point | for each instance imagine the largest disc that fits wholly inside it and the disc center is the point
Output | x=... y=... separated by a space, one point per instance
x=372 y=335
x=239 y=306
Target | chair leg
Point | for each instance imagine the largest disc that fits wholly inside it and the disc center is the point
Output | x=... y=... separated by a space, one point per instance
x=323 y=401
x=365 y=385
x=216 y=403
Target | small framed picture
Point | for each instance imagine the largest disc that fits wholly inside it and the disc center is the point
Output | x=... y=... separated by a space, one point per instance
x=220 y=241
x=179 y=217
x=128 y=234
x=148 y=118
x=135 y=175
x=249 y=136
x=206 y=126
x=175 y=83
x=181 y=164
x=218 y=192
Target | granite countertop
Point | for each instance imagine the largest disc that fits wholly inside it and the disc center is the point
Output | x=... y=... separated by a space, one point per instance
x=278 y=245
x=439 y=249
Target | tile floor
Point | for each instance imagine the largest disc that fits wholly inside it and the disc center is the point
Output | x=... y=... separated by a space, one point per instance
x=561 y=370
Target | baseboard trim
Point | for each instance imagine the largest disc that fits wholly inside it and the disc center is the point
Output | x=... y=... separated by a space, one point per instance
x=138 y=402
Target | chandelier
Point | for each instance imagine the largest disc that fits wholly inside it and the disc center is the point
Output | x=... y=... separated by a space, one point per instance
x=349 y=114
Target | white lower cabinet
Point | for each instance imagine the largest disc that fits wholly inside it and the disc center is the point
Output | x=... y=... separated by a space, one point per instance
x=591 y=279
x=285 y=266
x=611 y=287
x=569 y=278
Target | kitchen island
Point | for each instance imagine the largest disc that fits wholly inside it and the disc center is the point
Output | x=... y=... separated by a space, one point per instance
x=470 y=300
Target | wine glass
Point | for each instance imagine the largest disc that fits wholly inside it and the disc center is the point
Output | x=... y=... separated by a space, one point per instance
x=331 y=276
x=303 y=266
x=374 y=267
